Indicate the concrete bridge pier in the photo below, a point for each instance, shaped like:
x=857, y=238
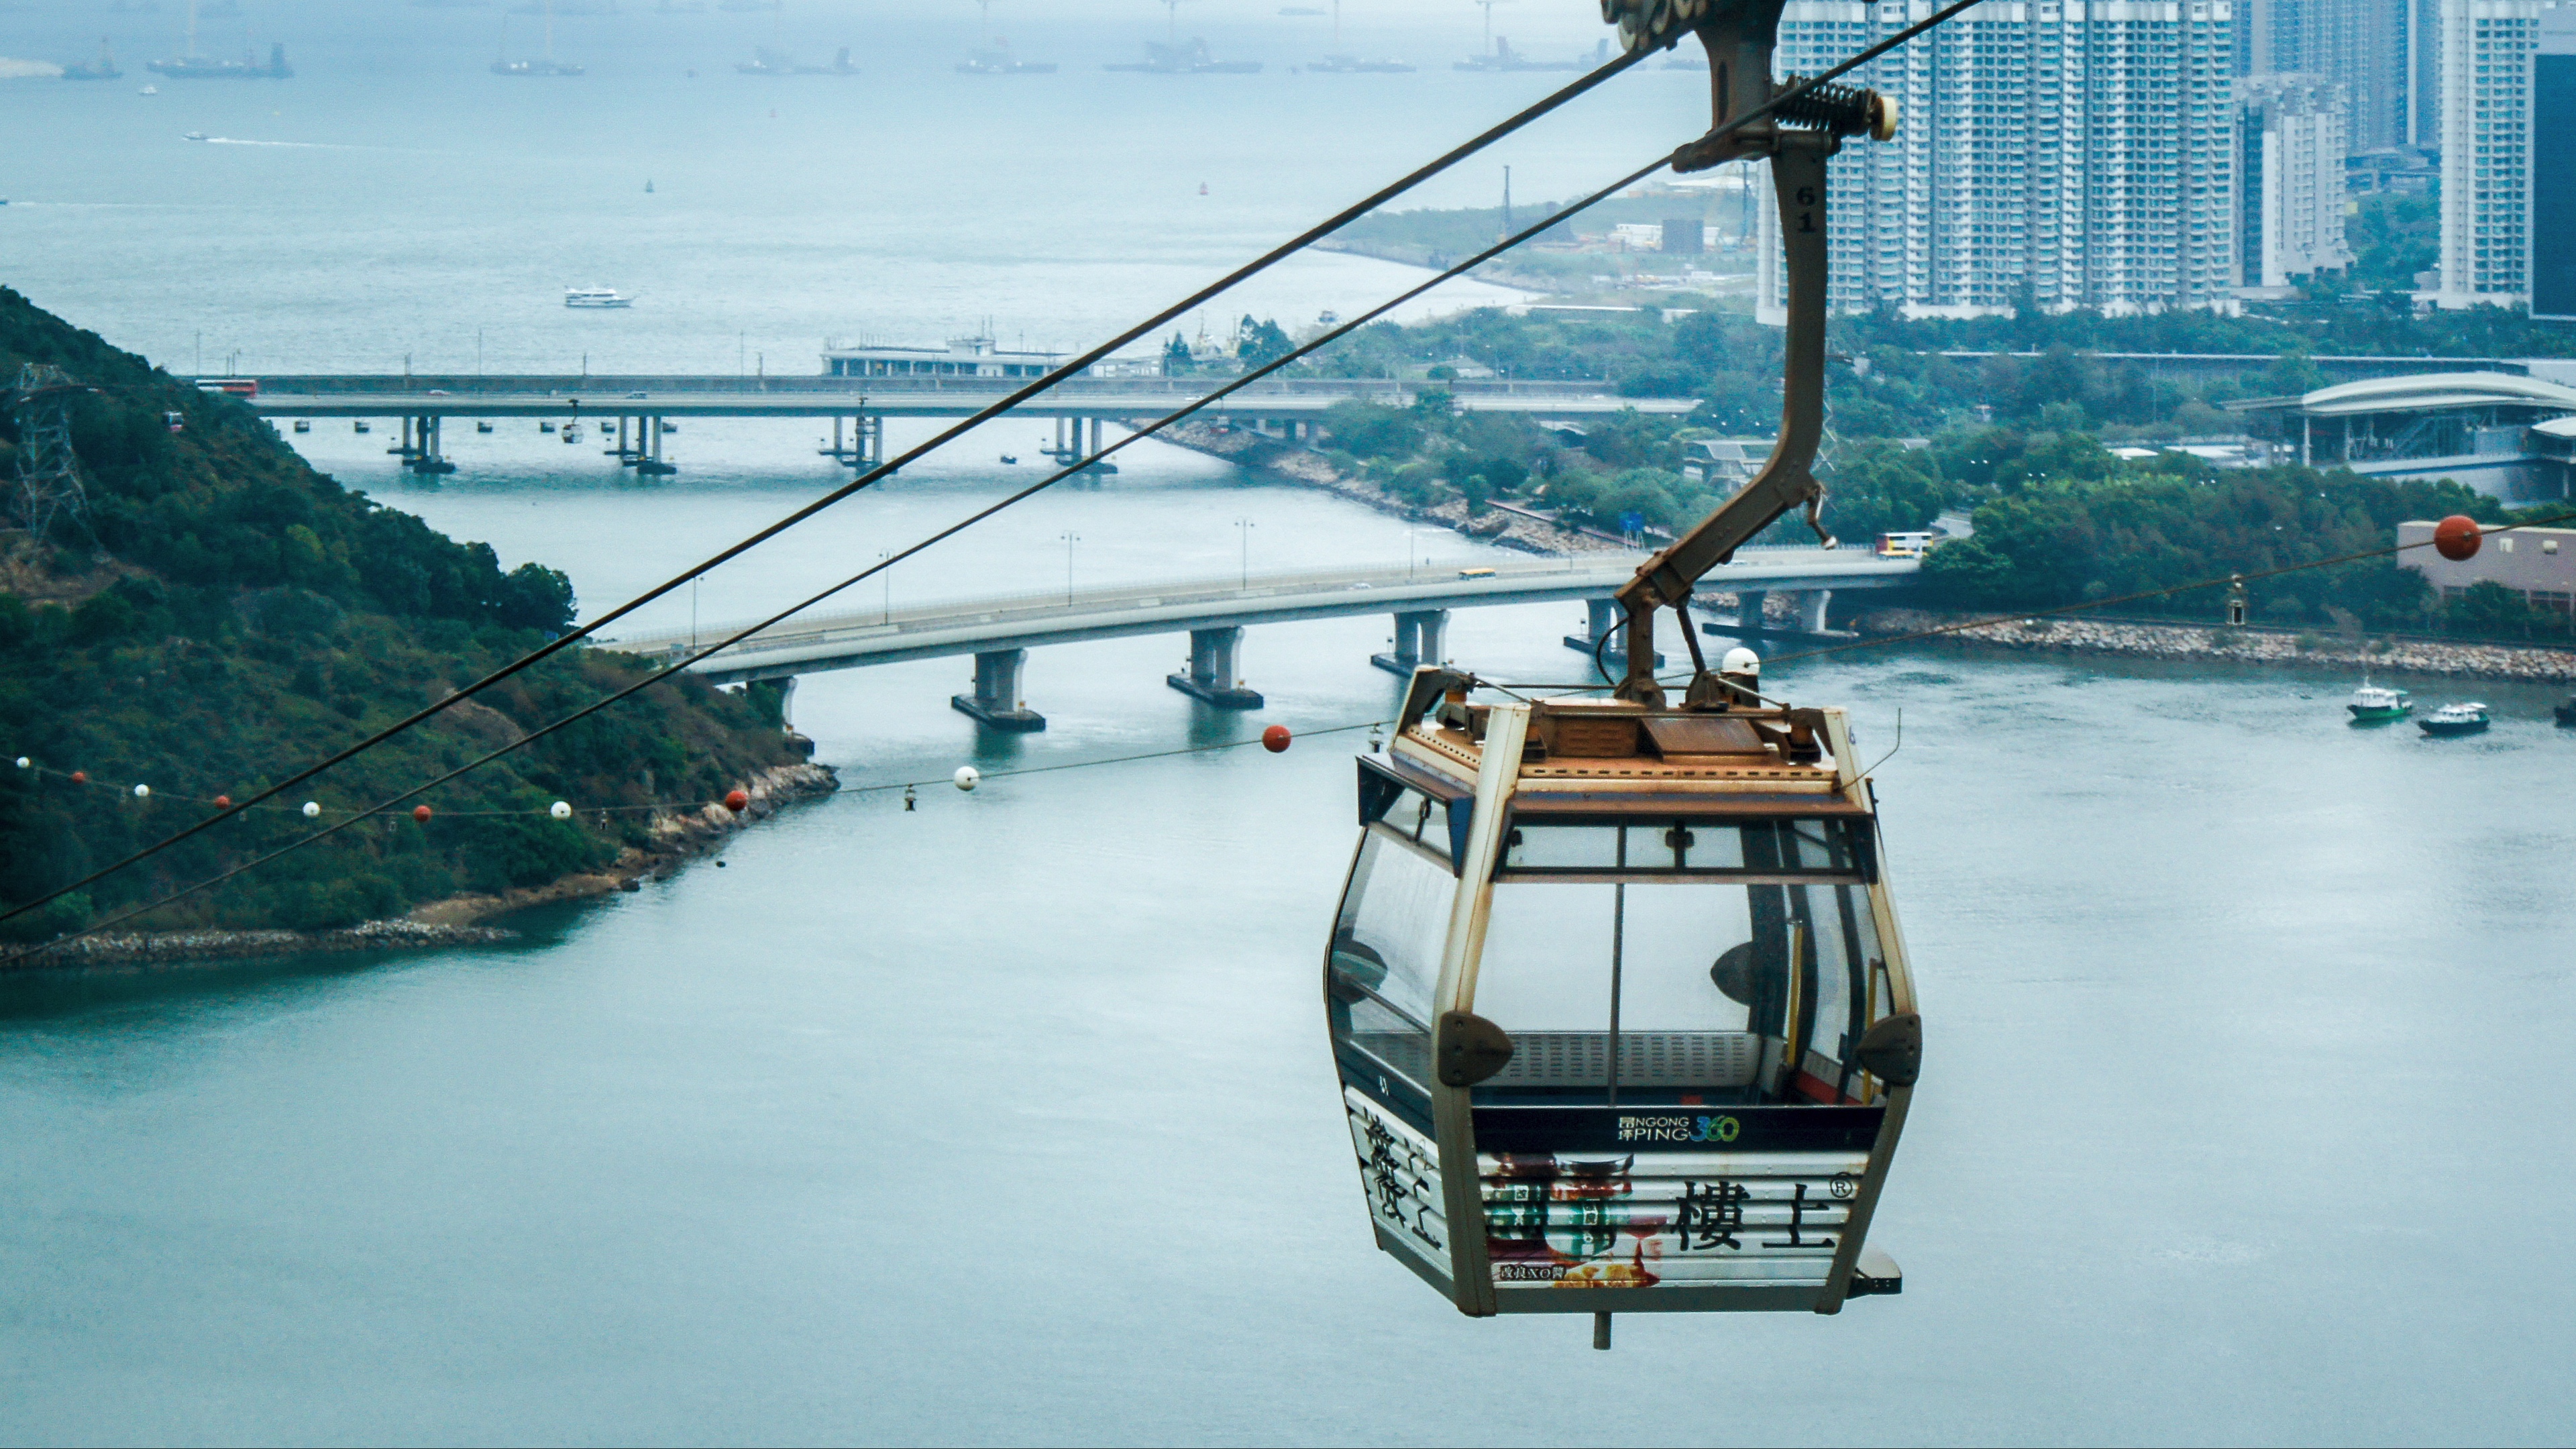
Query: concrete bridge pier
x=421, y=446
x=1810, y=604
x=1212, y=676
x=996, y=702
x=1602, y=619
x=1421, y=638
x=1749, y=604
x=648, y=459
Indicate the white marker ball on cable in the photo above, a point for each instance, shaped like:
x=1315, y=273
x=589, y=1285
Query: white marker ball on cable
x=311, y=810
x=25, y=764
x=968, y=777
x=142, y=792
x=559, y=810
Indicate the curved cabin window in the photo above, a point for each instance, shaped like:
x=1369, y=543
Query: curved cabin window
x=1679, y=963
x=1386, y=960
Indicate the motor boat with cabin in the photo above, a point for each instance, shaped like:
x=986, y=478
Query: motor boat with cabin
x=596, y=297
x=2466, y=718
x=2378, y=704
x=1616, y=993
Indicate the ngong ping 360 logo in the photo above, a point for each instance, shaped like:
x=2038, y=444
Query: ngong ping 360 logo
x=1679, y=1129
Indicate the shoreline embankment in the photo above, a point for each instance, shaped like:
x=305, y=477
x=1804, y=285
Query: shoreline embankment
x=457, y=920
x=2287, y=648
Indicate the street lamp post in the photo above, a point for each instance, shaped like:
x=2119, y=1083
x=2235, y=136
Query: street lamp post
x=1243, y=530
x=1070, y=539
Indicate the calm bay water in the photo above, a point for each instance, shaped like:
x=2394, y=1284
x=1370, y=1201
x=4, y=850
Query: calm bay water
x=1010, y=1119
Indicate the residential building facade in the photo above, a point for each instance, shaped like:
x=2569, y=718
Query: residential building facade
x=2054, y=153
x=2485, y=51
x=2289, y=221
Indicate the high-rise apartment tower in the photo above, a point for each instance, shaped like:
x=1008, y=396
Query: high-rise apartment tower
x=2054, y=153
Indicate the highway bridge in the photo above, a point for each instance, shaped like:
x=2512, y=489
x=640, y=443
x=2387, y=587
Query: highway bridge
x=1000, y=631
x=859, y=407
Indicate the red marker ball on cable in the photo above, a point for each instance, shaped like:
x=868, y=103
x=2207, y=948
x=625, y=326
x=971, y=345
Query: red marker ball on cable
x=420, y=813
x=1275, y=739
x=223, y=802
x=2456, y=538
x=737, y=802
x=80, y=777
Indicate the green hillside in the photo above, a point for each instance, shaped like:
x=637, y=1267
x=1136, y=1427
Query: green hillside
x=223, y=614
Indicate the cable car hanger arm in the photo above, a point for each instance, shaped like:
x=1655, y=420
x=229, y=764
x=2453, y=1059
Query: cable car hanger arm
x=1798, y=137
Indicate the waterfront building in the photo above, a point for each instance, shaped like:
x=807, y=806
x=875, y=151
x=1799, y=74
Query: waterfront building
x=2553, y=168
x=2054, y=153
x=962, y=357
x=2537, y=563
x=2485, y=53
x=2290, y=207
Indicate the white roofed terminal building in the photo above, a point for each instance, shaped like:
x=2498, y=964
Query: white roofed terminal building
x=2508, y=436
x=962, y=357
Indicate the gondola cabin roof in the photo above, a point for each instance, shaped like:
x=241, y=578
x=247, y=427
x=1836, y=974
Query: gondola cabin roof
x=1605, y=756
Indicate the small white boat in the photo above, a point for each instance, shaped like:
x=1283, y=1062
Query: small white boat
x=303, y=425
x=2455, y=719
x=149, y=91
x=193, y=136
x=482, y=426
x=596, y=297
x=571, y=432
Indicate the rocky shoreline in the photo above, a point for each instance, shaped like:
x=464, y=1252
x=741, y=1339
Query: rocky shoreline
x=677, y=836
x=1502, y=526
x=2526, y=664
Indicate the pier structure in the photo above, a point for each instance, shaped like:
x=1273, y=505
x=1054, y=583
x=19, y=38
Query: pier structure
x=999, y=632
x=638, y=408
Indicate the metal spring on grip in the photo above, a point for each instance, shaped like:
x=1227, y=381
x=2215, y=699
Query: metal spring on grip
x=1841, y=108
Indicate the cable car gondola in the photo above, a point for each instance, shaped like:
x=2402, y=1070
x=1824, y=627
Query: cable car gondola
x=1616, y=992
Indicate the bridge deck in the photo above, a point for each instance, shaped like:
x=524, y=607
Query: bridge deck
x=822, y=397
x=858, y=638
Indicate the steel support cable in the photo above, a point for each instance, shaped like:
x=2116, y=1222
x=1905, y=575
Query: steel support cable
x=947, y=435
x=678, y=666
x=1787, y=97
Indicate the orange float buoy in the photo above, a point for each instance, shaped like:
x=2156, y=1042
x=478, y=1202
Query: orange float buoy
x=1275, y=739
x=80, y=777
x=736, y=801
x=420, y=813
x=2456, y=538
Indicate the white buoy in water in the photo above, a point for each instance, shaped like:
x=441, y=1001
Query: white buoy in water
x=968, y=777
x=311, y=810
x=559, y=810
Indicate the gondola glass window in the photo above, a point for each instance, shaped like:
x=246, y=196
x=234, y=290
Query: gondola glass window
x=1727, y=960
x=1386, y=952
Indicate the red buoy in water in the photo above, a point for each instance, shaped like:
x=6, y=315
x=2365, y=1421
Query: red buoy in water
x=420, y=813
x=2456, y=538
x=80, y=777
x=736, y=801
x=1275, y=739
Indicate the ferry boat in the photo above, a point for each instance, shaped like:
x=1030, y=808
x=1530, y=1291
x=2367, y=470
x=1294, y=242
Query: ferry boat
x=2455, y=719
x=2378, y=704
x=1353, y=65
x=596, y=297
x=534, y=67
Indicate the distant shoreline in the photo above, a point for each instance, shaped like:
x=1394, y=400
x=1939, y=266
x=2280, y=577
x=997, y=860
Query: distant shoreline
x=2511, y=663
